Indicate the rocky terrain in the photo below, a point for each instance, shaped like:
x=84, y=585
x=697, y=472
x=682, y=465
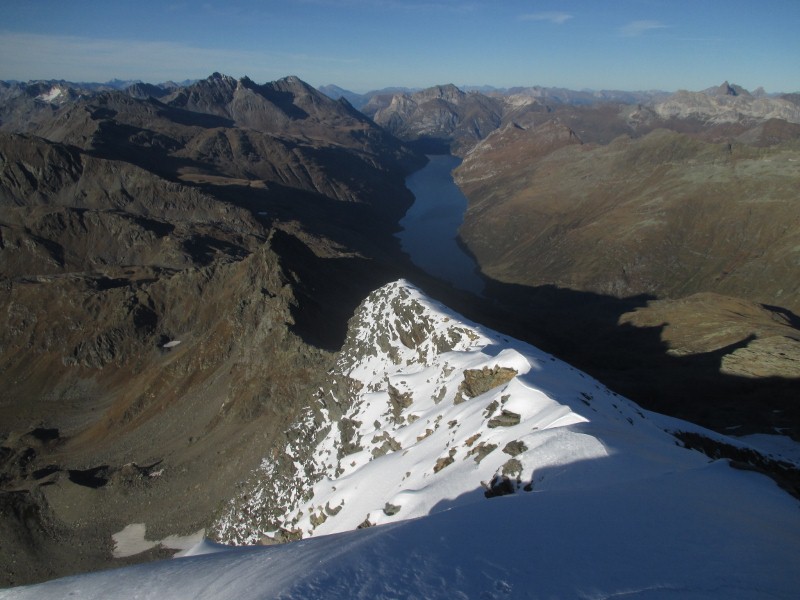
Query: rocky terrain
x=178, y=265
x=596, y=206
x=174, y=276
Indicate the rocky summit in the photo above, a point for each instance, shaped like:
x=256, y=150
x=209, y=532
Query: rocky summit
x=424, y=411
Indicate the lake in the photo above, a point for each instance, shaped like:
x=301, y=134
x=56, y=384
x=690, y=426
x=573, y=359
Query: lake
x=430, y=227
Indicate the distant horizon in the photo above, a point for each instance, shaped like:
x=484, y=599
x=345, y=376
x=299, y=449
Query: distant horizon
x=467, y=86
x=365, y=45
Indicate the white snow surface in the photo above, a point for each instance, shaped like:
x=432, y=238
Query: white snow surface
x=132, y=540
x=616, y=506
x=779, y=447
x=51, y=95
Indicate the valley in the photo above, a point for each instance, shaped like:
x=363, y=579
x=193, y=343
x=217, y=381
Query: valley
x=429, y=233
x=597, y=217
x=211, y=317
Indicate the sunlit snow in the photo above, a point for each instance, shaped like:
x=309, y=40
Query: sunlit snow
x=426, y=411
x=51, y=95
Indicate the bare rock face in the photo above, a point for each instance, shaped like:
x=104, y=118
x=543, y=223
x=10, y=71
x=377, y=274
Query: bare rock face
x=441, y=117
x=170, y=285
x=479, y=381
x=726, y=104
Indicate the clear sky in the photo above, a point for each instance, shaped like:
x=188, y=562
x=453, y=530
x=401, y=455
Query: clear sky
x=369, y=44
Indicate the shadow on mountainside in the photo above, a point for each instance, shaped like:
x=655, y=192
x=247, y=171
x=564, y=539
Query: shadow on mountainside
x=584, y=329
x=333, y=252
x=327, y=290
x=336, y=252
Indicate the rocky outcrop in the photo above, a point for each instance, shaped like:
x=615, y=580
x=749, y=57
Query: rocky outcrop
x=726, y=104
x=439, y=117
x=477, y=382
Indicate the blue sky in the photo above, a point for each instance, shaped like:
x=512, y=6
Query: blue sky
x=370, y=44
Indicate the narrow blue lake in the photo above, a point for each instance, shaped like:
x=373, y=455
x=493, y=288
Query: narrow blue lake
x=430, y=227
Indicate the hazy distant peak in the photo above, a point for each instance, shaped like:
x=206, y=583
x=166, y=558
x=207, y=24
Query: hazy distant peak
x=245, y=81
x=445, y=92
x=216, y=75
x=293, y=84
x=728, y=89
x=727, y=103
x=146, y=90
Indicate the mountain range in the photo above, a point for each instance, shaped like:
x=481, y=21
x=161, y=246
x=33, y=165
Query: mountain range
x=210, y=329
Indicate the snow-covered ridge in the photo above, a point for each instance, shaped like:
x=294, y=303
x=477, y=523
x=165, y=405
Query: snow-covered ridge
x=422, y=407
x=427, y=411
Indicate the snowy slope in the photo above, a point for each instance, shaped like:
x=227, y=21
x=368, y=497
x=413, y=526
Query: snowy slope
x=426, y=412
x=710, y=532
x=425, y=408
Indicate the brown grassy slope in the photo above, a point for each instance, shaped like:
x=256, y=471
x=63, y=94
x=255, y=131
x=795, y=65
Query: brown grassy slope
x=666, y=214
x=667, y=266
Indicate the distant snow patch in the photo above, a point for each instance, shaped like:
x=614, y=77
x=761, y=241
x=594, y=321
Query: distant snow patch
x=131, y=541
x=50, y=96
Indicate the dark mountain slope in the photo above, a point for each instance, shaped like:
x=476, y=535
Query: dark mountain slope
x=171, y=285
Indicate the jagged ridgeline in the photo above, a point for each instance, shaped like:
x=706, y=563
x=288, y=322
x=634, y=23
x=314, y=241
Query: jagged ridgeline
x=175, y=271
x=425, y=411
x=421, y=407
x=179, y=264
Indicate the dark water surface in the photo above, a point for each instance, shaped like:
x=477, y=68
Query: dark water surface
x=430, y=227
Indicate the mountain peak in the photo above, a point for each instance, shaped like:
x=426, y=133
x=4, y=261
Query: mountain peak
x=728, y=89
x=446, y=91
x=293, y=82
x=442, y=407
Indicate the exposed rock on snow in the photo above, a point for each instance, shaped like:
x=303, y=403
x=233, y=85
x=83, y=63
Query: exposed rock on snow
x=617, y=506
x=422, y=407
